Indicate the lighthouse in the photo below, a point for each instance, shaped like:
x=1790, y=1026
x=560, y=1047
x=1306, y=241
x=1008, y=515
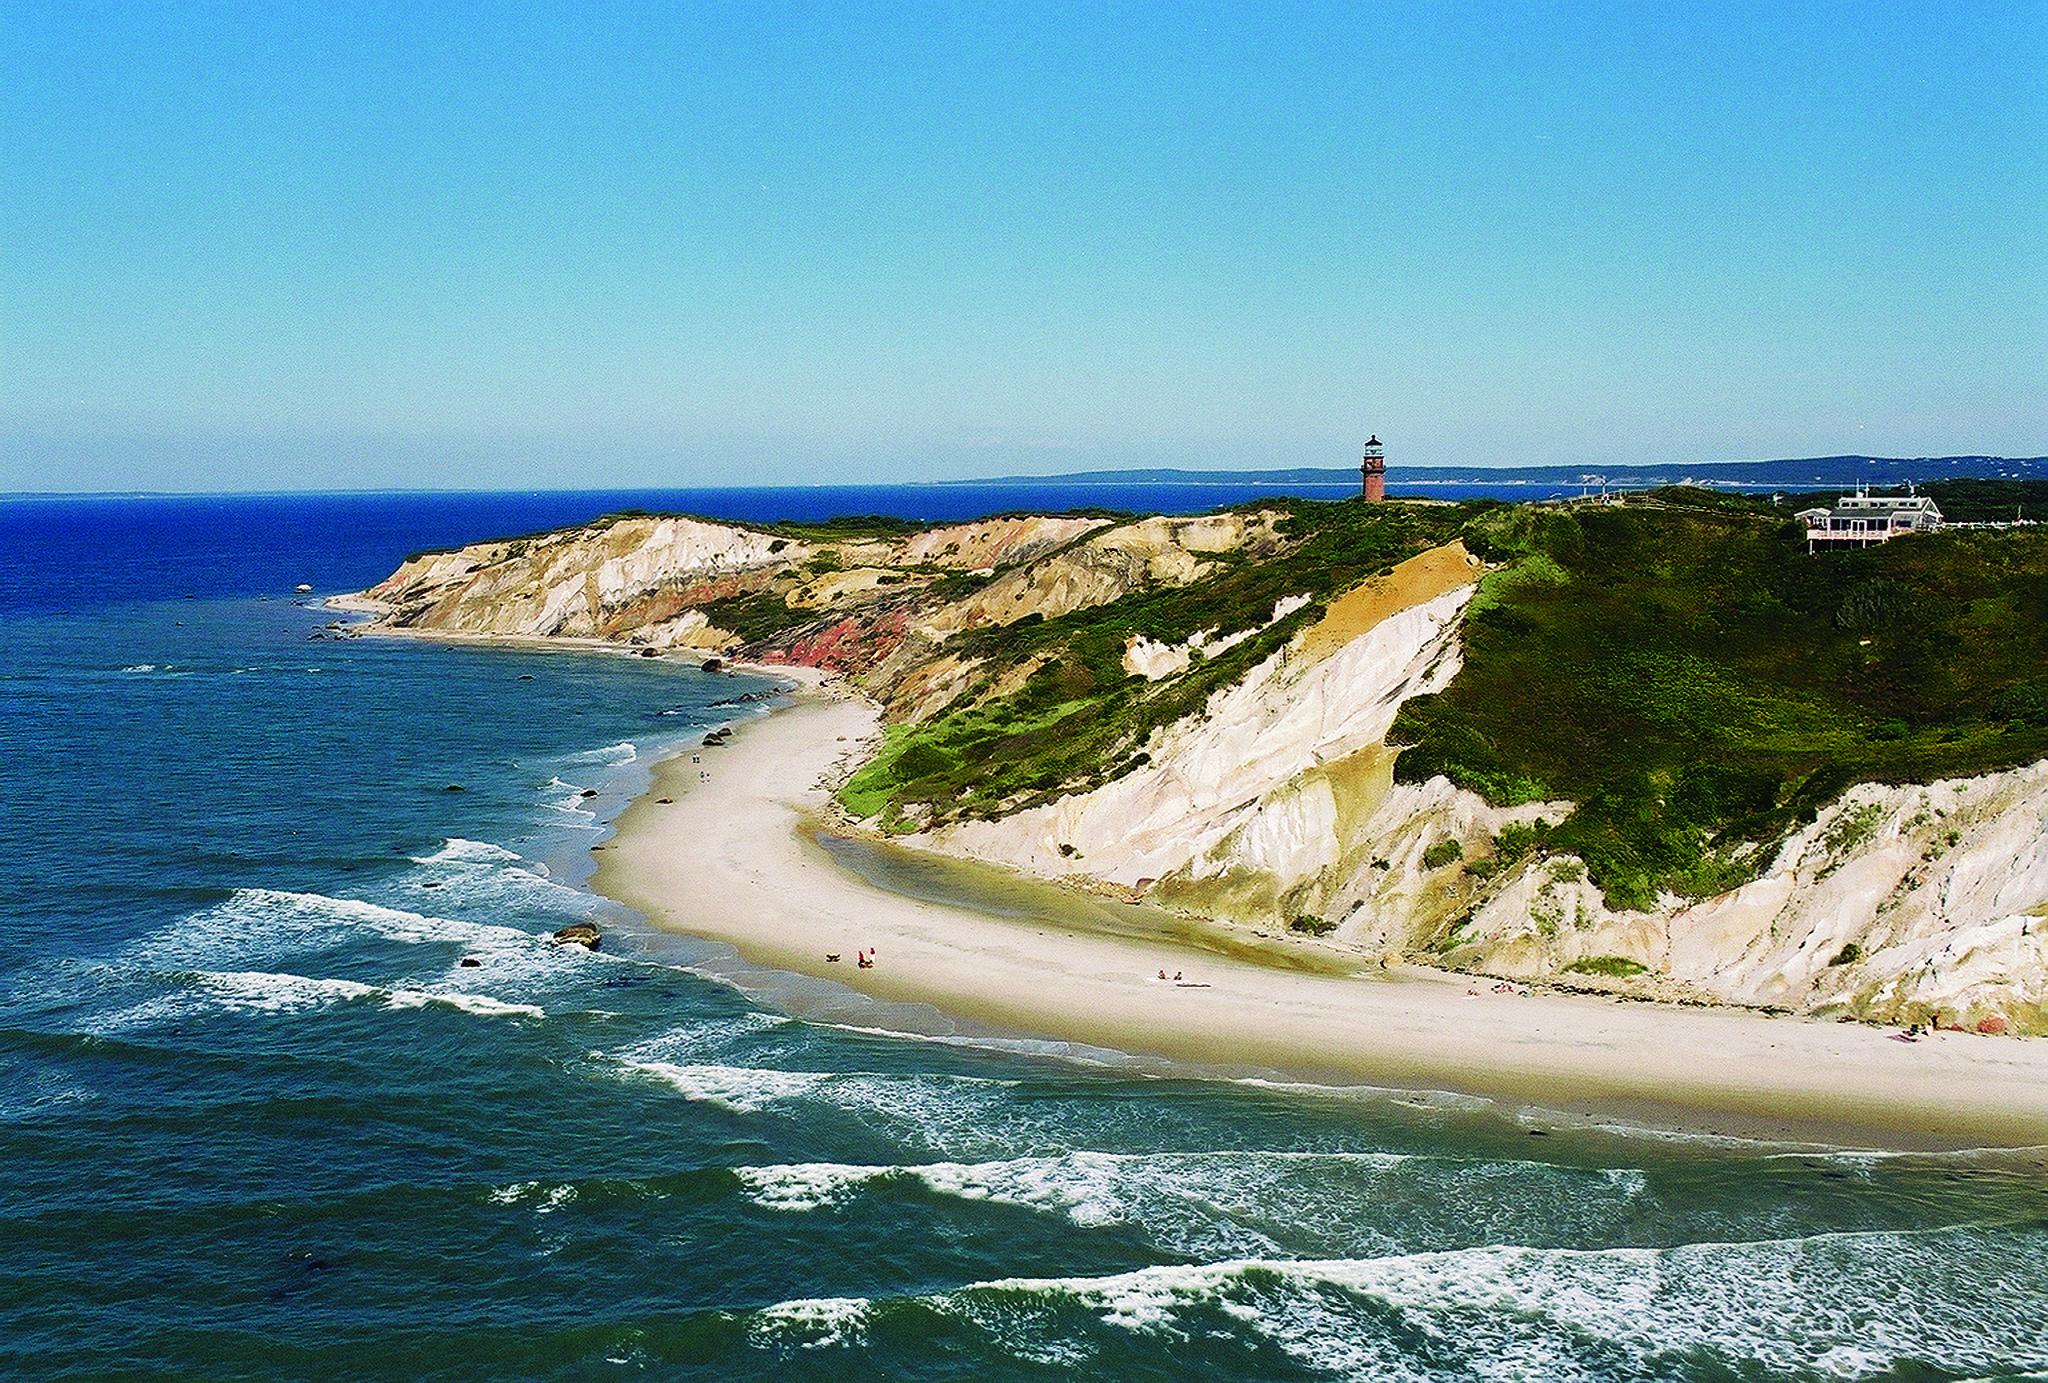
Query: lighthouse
x=1372, y=472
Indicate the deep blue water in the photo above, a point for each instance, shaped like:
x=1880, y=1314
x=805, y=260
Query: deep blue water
x=259, y=1120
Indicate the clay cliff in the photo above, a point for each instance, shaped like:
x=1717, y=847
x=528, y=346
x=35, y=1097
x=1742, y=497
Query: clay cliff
x=1219, y=713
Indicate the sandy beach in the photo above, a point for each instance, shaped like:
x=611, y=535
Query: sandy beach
x=733, y=857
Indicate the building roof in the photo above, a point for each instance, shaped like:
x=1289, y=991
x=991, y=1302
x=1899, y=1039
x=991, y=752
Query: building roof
x=1883, y=507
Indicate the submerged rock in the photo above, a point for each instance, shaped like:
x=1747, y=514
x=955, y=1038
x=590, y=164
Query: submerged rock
x=584, y=934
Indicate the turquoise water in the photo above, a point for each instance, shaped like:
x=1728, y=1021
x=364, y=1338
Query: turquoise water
x=259, y=1120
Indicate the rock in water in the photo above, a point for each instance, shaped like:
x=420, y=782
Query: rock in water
x=583, y=934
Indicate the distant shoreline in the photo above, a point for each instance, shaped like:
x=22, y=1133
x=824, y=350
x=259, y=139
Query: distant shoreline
x=728, y=858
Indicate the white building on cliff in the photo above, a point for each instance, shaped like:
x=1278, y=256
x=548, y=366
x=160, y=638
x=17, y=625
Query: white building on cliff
x=1862, y=519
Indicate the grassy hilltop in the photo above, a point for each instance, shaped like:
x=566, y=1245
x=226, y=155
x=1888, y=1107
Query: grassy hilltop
x=1679, y=667
x=1696, y=682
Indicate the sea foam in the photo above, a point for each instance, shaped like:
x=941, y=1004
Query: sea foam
x=1858, y=1305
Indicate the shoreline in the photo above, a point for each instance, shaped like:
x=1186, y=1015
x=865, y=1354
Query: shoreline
x=733, y=858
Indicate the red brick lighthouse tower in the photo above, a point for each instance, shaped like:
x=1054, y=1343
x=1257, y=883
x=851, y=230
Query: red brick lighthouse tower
x=1373, y=472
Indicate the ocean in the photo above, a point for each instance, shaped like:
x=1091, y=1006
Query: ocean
x=261, y=1116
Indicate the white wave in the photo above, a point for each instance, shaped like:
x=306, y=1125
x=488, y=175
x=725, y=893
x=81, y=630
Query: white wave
x=807, y=1185
x=812, y=1323
x=545, y=1199
x=269, y=992
x=1630, y=1181
x=930, y=1111
x=611, y=755
x=1852, y=1305
x=1093, y=1188
x=741, y=1089
x=706, y=1037
x=457, y=850
x=141, y=667
x=276, y=991
x=478, y=872
x=259, y=920
x=482, y=1004
x=1234, y=1202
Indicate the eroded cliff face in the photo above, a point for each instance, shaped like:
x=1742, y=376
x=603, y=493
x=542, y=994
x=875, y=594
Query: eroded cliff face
x=581, y=583
x=1907, y=903
x=647, y=581
x=1250, y=784
x=1276, y=806
x=1274, y=803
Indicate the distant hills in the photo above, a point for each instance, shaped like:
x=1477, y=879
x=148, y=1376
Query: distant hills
x=1808, y=473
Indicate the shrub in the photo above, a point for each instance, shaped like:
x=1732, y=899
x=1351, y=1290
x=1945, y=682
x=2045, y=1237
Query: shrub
x=1612, y=967
x=1848, y=955
x=1442, y=853
x=1516, y=840
x=1313, y=926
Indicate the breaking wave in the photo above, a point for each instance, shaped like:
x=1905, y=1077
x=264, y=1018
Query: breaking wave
x=1859, y=1305
x=456, y=850
x=271, y=992
x=611, y=755
x=1229, y=1202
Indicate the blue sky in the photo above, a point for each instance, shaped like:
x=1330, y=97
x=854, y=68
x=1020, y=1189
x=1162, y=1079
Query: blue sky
x=348, y=245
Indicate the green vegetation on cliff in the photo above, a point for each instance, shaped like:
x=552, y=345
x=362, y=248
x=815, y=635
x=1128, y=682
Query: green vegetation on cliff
x=1679, y=668
x=1079, y=719
x=1694, y=681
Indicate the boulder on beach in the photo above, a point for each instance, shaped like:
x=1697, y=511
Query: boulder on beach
x=584, y=934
